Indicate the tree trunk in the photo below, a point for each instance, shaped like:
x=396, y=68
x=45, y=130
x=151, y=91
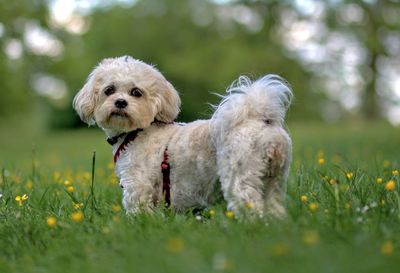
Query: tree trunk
x=370, y=102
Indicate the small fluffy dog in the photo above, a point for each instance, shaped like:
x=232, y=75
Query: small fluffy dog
x=243, y=146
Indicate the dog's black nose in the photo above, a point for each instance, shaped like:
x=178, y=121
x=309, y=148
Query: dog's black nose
x=121, y=103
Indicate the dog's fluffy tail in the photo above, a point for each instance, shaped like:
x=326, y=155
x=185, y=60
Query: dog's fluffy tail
x=266, y=99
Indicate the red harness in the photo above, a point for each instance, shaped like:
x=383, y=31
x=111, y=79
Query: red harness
x=165, y=167
x=131, y=136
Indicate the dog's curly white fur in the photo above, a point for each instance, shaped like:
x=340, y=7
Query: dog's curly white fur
x=244, y=145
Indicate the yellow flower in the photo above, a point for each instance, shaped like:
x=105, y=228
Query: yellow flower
x=395, y=172
x=110, y=165
x=310, y=237
x=304, y=198
x=387, y=248
x=67, y=183
x=249, y=205
x=332, y=182
x=51, y=222
x=21, y=199
x=106, y=230
x=35, y=163
x=221, y=263
x=313, y=206
x=349, y=175
x=68, y=175
x=56, y=176
x=77, y=205
x=379, y=180
x=114, y=180
x=386, y=163
x=211, y=213
x=29, y=185
x=87, y=175
x=116, y=208
x=321, y=161
x=391, y=185
x=347, y=206
x=16, y=178
x=229, y=214
x=77, y=216
x=280, y=249
x=175, y=245
x=70, y=189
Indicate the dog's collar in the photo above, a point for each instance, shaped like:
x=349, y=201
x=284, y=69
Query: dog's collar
x=114, y=139
x=129, y=137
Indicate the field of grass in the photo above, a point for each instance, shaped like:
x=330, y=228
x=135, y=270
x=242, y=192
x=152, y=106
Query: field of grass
x=343, y=203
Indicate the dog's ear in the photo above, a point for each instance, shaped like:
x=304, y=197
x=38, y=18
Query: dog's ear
x=84, y=101
x=169, y=103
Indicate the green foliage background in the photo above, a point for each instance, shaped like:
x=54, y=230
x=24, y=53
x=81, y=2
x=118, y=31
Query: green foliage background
x=199, y=52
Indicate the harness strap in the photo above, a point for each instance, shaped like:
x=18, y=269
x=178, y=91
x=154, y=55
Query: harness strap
x=131, y=136
x=165, y=166
x=165, y=169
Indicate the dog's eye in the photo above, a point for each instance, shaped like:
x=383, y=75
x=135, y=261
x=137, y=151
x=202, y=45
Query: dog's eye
x=136, y=92
x=268, y=121
x=109, y=90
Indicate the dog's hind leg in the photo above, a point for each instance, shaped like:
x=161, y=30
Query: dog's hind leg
x=253, y=164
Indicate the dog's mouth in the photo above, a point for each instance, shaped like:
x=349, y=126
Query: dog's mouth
x=119, y=114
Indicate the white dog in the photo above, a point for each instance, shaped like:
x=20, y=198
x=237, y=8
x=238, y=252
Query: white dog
x=243, y=148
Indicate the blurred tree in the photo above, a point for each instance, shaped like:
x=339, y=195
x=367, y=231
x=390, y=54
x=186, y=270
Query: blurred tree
x=199, y=46
x=376, y=25
x=16, y=62
x=351, y=47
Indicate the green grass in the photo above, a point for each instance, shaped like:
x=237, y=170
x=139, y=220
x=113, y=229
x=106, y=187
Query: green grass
x=355, y=227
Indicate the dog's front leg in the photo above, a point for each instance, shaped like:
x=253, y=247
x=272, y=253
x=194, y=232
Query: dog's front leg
x=138, y=197
x=243, y=198
x=276, y=159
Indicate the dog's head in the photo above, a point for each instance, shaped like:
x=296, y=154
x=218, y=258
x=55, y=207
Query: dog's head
x=123, y=94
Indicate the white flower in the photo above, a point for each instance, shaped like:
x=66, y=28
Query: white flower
x=364, y=209
x=220, y=262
